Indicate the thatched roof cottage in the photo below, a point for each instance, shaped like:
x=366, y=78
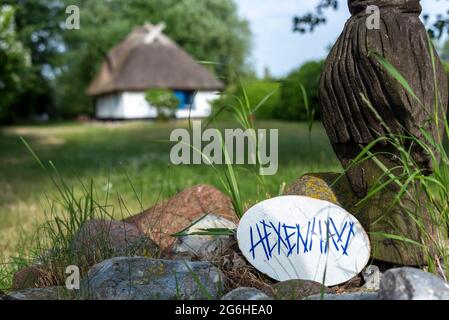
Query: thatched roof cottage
x=147, y=59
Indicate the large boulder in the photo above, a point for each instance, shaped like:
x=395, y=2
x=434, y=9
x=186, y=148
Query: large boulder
x=245, y=293
x=298, y=289
x=139, y=278
x=98, y=239
x=412, y=284
x=164, y=219
x=204, y=247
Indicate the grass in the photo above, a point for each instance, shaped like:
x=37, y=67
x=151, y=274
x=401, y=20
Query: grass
x=126, y=166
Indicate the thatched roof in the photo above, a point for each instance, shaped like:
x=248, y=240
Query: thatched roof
x=148, y=59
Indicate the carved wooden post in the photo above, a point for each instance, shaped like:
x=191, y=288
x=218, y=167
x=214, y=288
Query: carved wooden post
x=352, y=73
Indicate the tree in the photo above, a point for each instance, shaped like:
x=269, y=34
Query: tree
x=292, y=105
x=212, y=31
x=165, y=102
x=38, y=27
x=309, y=21
x=14, y=61
x=257, y=91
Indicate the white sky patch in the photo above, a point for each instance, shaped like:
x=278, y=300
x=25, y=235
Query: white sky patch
x=277, y=47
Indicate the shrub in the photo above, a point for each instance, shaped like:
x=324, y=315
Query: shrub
x=257, y=91
x=165, y=102
x=292, y=105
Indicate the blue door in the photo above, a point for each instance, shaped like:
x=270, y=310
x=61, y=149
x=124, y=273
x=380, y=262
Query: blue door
x=185, y=99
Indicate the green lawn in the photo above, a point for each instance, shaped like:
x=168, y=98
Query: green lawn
x=123, y=156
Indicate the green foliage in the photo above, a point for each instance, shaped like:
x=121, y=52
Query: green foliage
x=256, y=91
x=211, y=31
x=37, y=27
x=13, y=62
x=294, y=98
x=52, y=244
x=292, y=102
x=164, y=101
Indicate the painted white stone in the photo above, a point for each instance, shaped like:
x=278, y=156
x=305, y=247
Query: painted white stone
x=288, y=238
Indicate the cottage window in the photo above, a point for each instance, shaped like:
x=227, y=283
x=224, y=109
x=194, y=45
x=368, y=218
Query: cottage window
x=185, y=99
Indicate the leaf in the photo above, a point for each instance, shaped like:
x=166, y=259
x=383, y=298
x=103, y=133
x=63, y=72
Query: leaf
x=395, y=237
x=197, y=280
x=262, y=102
x=395, y=74
x=183, y=231
x=213, y=232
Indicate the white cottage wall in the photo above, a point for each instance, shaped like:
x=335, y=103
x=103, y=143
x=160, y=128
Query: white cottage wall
x=137, y=107
x=109, y=106
x=132, y=105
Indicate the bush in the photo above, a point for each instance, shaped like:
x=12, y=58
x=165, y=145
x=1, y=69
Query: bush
x=285, y=100
x=256, y=91
x=292, y=106
x=165, y=102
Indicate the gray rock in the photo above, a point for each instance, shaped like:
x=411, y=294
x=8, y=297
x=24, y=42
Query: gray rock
x=139, y=278
x=179, y=256
x=245, y=293
x=204, y=247
x=48, y=293
x=372, y=276
x=346, y=296
x=298, y=289
x=412, y=284
x=4, y=296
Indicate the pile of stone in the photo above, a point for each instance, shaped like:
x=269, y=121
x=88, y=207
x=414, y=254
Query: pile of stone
x=147, y=262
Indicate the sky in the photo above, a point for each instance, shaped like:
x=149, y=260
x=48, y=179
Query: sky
x=275, y=45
